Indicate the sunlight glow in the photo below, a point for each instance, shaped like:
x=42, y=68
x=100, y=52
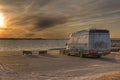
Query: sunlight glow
x=2, y=21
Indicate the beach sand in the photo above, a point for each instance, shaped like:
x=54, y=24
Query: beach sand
x=52, y=66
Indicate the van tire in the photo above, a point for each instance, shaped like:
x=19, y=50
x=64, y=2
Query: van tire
x=68, y=54
x=99, y=56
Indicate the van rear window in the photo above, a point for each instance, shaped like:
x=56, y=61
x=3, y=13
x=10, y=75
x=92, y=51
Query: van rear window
x=99, y=31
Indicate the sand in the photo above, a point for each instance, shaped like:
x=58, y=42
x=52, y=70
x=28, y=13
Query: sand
x=15, y=66
x=107, y=76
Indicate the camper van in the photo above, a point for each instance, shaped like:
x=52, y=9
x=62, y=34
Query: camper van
x=92, y=42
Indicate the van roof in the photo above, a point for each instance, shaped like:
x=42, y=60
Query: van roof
x=99, y=31
x=91, y=31
x=95, y=30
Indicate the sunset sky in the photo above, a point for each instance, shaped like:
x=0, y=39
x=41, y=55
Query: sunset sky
x=57, y=18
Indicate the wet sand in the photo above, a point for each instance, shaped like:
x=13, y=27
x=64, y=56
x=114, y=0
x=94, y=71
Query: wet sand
x=15, y=66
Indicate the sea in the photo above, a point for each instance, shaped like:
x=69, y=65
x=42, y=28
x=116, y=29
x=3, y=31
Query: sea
x=16, y=45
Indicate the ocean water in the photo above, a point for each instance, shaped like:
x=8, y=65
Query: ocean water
x=16, y=45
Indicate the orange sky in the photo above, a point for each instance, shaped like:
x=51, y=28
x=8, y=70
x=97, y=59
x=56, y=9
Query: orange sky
x=58, y=18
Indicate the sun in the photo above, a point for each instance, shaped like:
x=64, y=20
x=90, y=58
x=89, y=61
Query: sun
x=2, y=21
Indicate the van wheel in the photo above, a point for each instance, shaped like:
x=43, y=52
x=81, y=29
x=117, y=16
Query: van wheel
x=68, y=54
x=98, y=56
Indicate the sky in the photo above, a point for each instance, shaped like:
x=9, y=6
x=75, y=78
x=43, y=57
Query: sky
x=57, y=19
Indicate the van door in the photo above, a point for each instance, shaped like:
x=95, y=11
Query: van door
x=101, y=41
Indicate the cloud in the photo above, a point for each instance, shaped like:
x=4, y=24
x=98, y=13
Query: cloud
x=22, y=6
x=47, y=22
x=36, y=16
x=17, y=3
x=29, y=35
x=37, y=21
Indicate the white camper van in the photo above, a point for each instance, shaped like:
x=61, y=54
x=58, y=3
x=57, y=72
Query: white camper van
x=92, y=42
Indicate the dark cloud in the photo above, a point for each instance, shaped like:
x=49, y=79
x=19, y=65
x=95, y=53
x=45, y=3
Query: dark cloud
x=47, y=22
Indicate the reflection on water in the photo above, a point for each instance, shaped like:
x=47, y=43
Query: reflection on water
x=10, y=45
